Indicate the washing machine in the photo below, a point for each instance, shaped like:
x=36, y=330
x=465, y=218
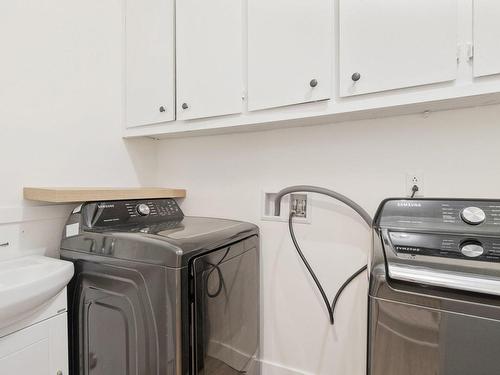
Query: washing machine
x=159, y=293
x=434, y=295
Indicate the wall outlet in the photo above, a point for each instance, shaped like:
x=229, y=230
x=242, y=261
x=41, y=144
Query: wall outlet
x=295, y=201
x=415, y=179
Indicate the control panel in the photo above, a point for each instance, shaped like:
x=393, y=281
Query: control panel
x=482, y=216
x=115, y=213
x=446, y=245
x=462, y=229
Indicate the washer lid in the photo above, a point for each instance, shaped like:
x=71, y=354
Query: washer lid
x=195, y=233
x=169, y=243
x=193, y=227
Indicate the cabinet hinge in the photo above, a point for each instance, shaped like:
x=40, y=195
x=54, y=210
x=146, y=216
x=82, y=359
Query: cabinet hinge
x=470, y=51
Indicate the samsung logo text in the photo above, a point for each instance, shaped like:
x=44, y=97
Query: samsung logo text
x=409, y=204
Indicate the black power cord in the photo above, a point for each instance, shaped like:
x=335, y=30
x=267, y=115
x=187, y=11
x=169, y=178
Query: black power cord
x=215, y=267
x=345, y=284
x=414, y=190
x=330, y=308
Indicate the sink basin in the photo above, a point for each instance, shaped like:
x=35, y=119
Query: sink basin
x=27, y=283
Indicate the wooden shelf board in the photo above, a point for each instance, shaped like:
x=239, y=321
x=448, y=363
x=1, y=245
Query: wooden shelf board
x=83, y=194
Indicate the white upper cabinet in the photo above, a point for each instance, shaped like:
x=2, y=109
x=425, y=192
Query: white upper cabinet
x=269, y=61
x=392, y=44
x=209, y=58
x=290, y=45
x=486, y=37
x=150, y=59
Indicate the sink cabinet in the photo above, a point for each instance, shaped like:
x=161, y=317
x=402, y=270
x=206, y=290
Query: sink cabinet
x=37, y=343
x=39, y=349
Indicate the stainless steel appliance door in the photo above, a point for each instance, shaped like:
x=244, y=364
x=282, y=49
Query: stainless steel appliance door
x=414, y=340
x=226, y=312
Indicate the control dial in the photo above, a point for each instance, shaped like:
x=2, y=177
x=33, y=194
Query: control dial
x=473, y=215
x=472, y=249
x=143, y=209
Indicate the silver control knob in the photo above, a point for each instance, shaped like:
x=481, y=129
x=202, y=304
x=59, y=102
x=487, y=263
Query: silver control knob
x=472, y=250
x=143, y=209
x=473, y=215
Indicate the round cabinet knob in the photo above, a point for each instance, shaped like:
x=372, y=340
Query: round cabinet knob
x=356, y=77
x=472, y=249
x=473, y=215
x=185, y=106
x=143, y=209
x=313, y=83
x=162, y=109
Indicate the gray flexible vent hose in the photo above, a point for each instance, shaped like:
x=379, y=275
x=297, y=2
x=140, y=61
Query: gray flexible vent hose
x=330, y=193
x=315, y=189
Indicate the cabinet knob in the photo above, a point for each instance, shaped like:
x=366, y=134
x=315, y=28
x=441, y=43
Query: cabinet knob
x=162, y=109
x=313, y=83
x=59, y=372
x=185, y=106
x=356, y=77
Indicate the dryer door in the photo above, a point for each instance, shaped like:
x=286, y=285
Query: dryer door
x=226, y=311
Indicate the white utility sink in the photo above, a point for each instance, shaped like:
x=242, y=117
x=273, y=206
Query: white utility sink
x=27, y=283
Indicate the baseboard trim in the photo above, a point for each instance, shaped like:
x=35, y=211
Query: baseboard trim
x=271, y=368
x=234, y=357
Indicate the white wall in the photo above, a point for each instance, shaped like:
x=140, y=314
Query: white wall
x=61, y=111
x=458, y=152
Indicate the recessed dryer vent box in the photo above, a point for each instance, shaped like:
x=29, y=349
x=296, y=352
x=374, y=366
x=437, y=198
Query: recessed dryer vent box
x=267, y=202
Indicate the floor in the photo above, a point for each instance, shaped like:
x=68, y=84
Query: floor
x=216, y=367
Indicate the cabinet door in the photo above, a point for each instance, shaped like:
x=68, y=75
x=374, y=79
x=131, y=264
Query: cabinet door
x=290, y=45
x=391, y=44
x=149, y=34
x=486, y=37
x=40, y=349
x=209, y=58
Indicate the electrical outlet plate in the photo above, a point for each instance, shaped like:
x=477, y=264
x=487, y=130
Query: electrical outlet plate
x=267, y=204
x=415, y=178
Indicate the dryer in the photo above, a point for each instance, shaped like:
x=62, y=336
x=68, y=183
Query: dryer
x=158, y=293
